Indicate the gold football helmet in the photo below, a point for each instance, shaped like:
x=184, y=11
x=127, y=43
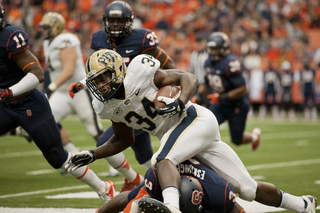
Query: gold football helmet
x=55, y=22
x=102, y=64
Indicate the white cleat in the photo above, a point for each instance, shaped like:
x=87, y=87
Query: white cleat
x=310, y=204
x=256, y=144
x=109, y=192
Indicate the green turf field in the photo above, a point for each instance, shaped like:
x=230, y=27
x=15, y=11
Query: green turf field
x=289, y=157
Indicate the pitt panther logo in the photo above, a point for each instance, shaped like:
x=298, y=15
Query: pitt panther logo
x=107, y=58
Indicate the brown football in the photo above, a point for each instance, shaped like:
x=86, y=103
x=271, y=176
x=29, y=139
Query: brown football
x=170, y=91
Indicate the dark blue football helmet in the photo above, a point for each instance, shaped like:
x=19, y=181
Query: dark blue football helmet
x=191, y=195
x=2, y=17
x=220, y=41
x=118, y=19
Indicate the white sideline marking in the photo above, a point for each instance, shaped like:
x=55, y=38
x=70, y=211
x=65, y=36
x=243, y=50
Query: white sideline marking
x=283, y=164
x=50, y=190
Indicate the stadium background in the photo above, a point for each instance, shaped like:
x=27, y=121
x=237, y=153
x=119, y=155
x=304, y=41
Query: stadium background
x=260, y=30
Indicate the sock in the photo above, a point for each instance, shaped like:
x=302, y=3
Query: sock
x=86, y=175
x=147, y=164
x=120, y=163
x=292, y=202
x=171, y=195
x=70, y=147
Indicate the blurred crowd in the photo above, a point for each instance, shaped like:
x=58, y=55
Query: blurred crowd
x=261, y=31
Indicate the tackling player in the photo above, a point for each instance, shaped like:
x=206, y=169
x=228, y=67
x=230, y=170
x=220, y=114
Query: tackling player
x=21, y=104
x=202, y=190
x=229, y=100
x=126, y=97
x=119, y=36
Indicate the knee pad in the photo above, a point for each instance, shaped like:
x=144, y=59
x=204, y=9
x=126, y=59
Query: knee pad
x=248, y=194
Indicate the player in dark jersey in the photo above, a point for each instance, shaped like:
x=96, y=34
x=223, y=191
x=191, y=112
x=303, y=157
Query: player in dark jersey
x=119, y=36
x=21, y=104
x=308, y=86
x=286, y=82
x=271, y=86
x=229, y=100
x=214, y=194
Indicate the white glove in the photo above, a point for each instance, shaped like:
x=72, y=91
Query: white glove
x=80, y=159
x=173, y=106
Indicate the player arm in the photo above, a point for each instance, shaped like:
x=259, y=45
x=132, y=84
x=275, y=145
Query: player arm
x=30, y=65
x=240, y=91
x=123, y=138
x=68, y=60
x=186, y=80
x=116, y=204
x=165, y=60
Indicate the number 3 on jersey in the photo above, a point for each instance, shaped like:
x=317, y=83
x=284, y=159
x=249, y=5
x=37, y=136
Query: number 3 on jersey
x=18, y=42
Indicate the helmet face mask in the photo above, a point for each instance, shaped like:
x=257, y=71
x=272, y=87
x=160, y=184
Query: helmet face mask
x=118, y=19
x=2, y=17
x=218, y=46
x=52, y=24
x=105, y=74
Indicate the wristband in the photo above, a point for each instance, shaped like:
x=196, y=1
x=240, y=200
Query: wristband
x=181, y=104
x=223, y=97
x=52, y=87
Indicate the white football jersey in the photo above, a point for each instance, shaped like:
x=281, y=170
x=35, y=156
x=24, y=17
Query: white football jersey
x=53, y=60
x=137, y=109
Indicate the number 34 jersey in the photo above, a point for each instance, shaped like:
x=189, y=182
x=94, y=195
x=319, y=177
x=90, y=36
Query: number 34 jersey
x=137, y=110
x=13, y=39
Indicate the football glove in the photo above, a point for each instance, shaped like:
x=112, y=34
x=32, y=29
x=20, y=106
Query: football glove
x=74, y=88
x=214, y=98
x=173, y=106
x=80, y=159
x=5, y=94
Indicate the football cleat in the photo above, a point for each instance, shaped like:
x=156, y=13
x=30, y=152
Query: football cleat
x=147, y=205
x=109, y=192
x=129, y=185
x=310, y=204
x=256, y=144
x=19, y=131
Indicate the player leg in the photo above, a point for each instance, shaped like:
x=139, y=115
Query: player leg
x=46, y=136
x=60, y=107
x=120, y=163
x=142, y=148
x=193, y=134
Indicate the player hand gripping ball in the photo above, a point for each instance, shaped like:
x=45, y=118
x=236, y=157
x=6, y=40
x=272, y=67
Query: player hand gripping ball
x=5, y=94
x=74, y=88
x=173, y=106
x=80, y=159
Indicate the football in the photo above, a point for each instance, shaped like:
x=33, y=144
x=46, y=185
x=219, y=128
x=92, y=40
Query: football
x=170, y=91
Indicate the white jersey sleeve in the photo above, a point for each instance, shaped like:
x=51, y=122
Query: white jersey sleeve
x=53, y=60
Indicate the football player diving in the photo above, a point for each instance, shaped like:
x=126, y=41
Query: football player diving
x=126, y=97
x=117, y=34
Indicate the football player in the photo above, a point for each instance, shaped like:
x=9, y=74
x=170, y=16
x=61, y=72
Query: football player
x=202, y=190
x=21, y=104
x=117, y=34
x=64, y=62
x=271, y=85
x=286, y=82
x=126, y=97
x=229, y=100
x=308, y=87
